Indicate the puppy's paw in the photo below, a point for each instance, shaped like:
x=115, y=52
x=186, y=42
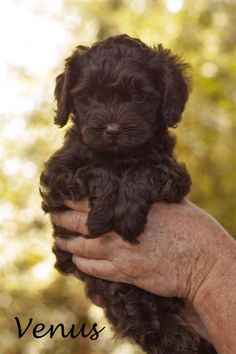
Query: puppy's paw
x=126, y=231
x=100, y=218
x=71, y=186
x=64, y=262
x=98, y=228
x=129, y=221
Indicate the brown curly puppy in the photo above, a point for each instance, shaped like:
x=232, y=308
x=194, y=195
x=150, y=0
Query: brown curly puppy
x=122, y=97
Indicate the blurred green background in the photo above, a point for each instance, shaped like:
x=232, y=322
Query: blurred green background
x=35, y=37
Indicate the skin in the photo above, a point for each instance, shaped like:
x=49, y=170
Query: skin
x=182, y=252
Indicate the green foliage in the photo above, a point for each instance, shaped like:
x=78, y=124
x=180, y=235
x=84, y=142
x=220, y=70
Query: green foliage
x=204, y=33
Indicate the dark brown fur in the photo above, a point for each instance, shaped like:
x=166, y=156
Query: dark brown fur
x=122, y=97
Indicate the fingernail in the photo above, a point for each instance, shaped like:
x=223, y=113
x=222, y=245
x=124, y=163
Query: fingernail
x=74, y=259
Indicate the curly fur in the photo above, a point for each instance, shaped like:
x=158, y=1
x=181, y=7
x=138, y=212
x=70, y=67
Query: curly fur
x=122, y=96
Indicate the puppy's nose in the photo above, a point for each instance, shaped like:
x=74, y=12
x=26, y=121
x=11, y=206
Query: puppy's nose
x=113, y=129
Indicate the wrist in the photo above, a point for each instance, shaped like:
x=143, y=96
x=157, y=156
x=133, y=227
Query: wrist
x=214, y=253
x=215, y=300
x=217, y=268
x=219, y=278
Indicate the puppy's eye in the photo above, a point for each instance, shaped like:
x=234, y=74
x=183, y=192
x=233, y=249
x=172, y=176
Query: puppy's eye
x=138, y=98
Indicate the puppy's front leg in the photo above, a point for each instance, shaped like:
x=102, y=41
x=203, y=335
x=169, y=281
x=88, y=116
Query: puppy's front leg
x=57, y=184
x=141, y=187
x=102, y=188
x=169, y=183
x=133, y=204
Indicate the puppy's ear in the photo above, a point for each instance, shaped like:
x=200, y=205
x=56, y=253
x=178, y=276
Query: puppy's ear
x=62, y=97
x=64, y=84
x=173, y=82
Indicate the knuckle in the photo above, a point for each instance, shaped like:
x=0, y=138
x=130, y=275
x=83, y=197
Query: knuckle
x=79, y=222
x=76, y=222
x=82, y=247
x=86, y=249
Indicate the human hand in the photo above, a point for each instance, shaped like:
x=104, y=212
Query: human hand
x=171, y=259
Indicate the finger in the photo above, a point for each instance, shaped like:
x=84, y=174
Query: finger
x=99, y=248
x=81, y=205
x=72, y=220
x=103, y=269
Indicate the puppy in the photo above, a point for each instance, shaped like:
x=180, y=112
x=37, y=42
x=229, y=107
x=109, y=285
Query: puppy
x=122, y=96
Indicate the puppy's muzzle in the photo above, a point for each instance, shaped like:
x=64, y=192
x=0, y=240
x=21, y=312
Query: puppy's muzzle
x=113, y=130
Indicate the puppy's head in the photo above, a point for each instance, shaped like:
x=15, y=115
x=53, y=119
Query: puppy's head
x=120, y=93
